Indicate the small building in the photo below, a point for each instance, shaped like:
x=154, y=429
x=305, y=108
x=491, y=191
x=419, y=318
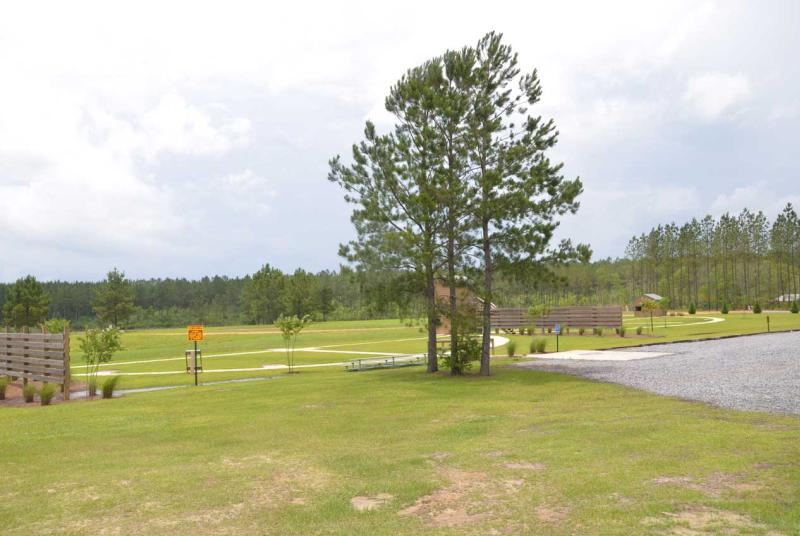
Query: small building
x=787, y=298
x=638, y=310
x=469, y=305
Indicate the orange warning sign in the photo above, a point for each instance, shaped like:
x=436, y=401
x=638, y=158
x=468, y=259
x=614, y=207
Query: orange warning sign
x=195, y=333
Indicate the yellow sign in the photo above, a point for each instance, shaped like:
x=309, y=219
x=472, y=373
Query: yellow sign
x=195, y=333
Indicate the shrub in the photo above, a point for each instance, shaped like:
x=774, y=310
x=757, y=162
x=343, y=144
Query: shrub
x=795, y=308
x=692, y=308
x=621, y=331
x=109, y=385
x=46, y=394
x=56, y=325
x=724, y=309
x=469, y=350
x=639, y=330
x=599, y=332
x=581, y=331
x=28, y=392
x=549, y=330
x=616, y=330
x=3, y=386
x=566, y=330
x=757, y=309
x=511, y=348
x=540, y=345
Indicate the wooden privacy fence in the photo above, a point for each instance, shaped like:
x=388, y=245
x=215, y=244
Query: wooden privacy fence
x=583, y=317
x=36, y=356
x=579, y=317
x=512, y=318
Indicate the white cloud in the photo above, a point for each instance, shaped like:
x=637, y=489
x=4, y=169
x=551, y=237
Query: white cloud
x=712, y=95
x=125, y=127
x=757, y=196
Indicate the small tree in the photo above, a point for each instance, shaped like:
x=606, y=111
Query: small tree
x=663, y=304
x=98, y=346
x=290, y=327
x=56, y=325
x=535, y=312
x=650, y=306
x=692, y=308
x=113, y=302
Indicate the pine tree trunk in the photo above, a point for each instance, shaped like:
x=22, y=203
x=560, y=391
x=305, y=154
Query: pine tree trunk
x=454, y=318
x=430, y=298
x=487, y=300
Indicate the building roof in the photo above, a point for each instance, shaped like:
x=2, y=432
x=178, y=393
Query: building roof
x=654, y=297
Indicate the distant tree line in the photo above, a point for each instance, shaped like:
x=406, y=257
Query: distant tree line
x=737, y=260
x=258, y=298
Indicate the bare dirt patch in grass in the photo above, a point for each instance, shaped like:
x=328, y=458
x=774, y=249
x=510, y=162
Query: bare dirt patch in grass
x=370, y=502
x=551, y=515
x=526, y=466
x=453, y=505
x=701, y=520
x=714, y=485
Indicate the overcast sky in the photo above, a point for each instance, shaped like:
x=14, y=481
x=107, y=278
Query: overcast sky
x=192, y=139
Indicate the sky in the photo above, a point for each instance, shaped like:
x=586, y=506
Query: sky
x=176, y=139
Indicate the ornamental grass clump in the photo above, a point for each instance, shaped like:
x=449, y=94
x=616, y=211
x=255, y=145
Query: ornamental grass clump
x=795, y=308
x=28, y=392
x=3, y=387
x=538, y=346
x=621, y=331
x=46, y=394
x=639, y=330
x=511, y=348
x=109, y=385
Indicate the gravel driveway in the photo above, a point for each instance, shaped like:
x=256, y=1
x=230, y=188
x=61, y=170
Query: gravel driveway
x=753, y=373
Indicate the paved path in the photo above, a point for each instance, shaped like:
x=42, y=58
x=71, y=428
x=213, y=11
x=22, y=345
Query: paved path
x=753, y=373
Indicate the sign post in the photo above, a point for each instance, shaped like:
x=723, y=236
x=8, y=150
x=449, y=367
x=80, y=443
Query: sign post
x=195, y=334
x=558, y=332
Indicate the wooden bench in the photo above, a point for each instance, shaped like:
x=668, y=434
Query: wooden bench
x=357, y=365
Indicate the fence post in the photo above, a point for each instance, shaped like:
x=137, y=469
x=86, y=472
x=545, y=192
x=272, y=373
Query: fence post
x=67, y=371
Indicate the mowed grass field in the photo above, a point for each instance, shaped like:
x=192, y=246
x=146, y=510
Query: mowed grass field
x=521, y=452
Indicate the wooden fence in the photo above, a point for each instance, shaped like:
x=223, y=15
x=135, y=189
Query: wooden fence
x=583, y=317
x=578, y=317
x=510, y=319
x=36, y=356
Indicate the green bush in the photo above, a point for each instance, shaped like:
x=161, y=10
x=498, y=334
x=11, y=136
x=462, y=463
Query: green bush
x=795, y=308
x=28, y=392
x=46, y=394
x=692, y=309
x=639, y=330
x=598, y=332
x=724, y=309
x=56, y=325
x=511, y=347
x=621, y=331
x=469, y=350
x=109, y=385
x=581, y=331
x=540, y=345
x=3, y=387
x=757, y=309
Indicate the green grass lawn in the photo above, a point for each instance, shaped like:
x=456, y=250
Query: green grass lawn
x=521, y=452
